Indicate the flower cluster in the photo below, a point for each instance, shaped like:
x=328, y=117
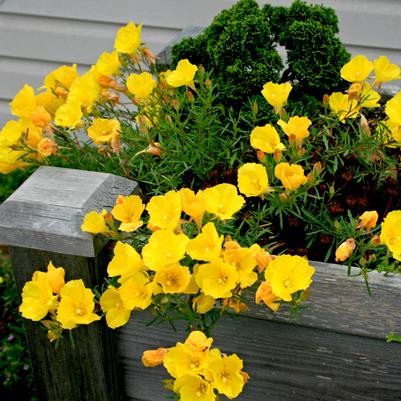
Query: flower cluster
x=199, y=370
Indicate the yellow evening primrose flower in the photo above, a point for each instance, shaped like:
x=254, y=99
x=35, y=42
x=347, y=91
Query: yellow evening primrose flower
x=292, y=176
x=11, y=133
x=108, y=63
x=141, y=85
x=95, y=223
x=76, y=305
x=194, y=388
x=183, y=74
x=244, y=260
x=393, y=109
x=217, y=278
x=10, y=160
x=368, y=219
x=68, y=115
x=223, y=201
x=165, y=211
x=198, y=342
x=104, y=130
x=183, y=359
x=37, y=299
x=126, y=261
x=265, y=294
x=266, y=139
x=85, y=89
x=164, y=248
x=276, y=94
x=54, y=275
x=391, y=233
x=194, y=205
x=173, y=278
x=356, y=70
x=40, y=117
x=24, y=102
x=154, y=357
x=343, y=106
x=385, y=71
x=297, y=128
x=49, y=101
x=206, y=245
x=389, y=129
x=111, y=303
x=203, y=303
x=369, y=97
x=226, y=373
x=136, y=292
x=288, y=274
x=128, y=210
x=62, y=76
x=128, y=38
x=252, y=179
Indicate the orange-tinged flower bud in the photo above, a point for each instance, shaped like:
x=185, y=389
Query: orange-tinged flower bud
x=153, y=358
x=208, y=83
x=375, y=241
x=344, y=251
x=263, y=258
x=149, y=55
x=47, y=147
x=261, y=156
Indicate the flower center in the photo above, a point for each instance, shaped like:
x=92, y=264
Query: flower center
x=80, y=311
x=287, y=283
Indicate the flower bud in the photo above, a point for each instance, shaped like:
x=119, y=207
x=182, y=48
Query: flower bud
x=153, y=358
x=344, y=251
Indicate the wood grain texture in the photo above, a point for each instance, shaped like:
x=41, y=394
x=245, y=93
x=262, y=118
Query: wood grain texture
x=87, y=371
x=342, y=304
x=47, y=211
x=285, y=362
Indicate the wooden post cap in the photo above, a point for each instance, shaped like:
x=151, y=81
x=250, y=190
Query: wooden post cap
x=46, y=212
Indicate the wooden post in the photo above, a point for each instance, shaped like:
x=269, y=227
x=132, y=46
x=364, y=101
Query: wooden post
x=41, y=223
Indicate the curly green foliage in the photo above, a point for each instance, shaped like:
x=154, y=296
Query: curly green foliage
x=241, y=53
x=194, y=49
x=315, y=55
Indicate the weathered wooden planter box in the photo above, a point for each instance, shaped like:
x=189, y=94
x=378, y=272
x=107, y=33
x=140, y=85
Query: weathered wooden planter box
x=334, y=350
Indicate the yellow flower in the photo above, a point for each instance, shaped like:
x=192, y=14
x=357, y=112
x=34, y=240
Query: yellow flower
x=194, y=388
x=389, y=127
x=393, y=109
x=266, y=139
x=111, y=303
x=385, y=71
x=164, y=248
x=49, y=101
x=136, y=292
x=368, y=220
x=297, y=128
x=47, y=147
x=76, y=305
x=198, y=342
x=203, y=303
x=244, y=260
x=217, y=278
x=141, y=85
x=369, y=97
x=223, y=201
x=264, y=293
x=391, y=233
x=37, y=299
x=184, y=74
x=108, y=63
x=85, y=89
x=128, y=210
x=276, y=94
x=24, y=102
x=356, y=70
x=95, y=223
x=193, y=205
x=62, y=76
x=10, y=160
x=343, y=106
x=154, y=357
x=126, y=261
x=288, y=274
x=183, y=359
x=68, y=115
x=165, y=211
x=54, y=275
x=128, y=38
x=226, y=373
x=291, y=175
x=207, y=245
x=252, y=179
x=345, y=249
x=11, y=133
x=104, y=130
x=173, y=278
